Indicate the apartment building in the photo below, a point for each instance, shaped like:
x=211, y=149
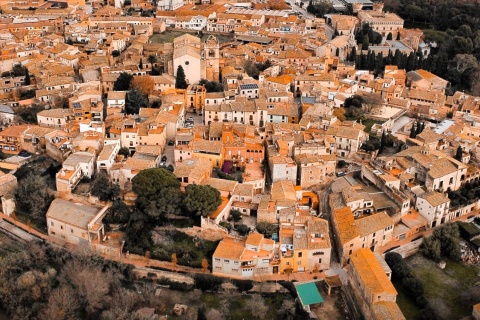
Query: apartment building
x=304, y=245
x=245, y=258
x=369, y=277
x=348, y=139
x=76, y=223
x=315, y=169
x=372, y=231
x=433, y=206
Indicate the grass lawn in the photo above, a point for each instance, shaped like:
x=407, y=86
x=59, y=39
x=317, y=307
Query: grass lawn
x=406, y=302
x=189, y=251
x=444, y=288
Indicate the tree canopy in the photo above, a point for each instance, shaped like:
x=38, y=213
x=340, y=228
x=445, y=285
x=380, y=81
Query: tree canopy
x=201, y=200
x=211, y=86
x=181, y=81
x=135, y=101
x=102, y=189
x=32, y=196
x=158, y=192
x=123, y=82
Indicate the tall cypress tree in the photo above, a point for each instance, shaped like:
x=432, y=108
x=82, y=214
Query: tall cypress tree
x=365, y=42
x=371, y=60
x=27, y=77
x=140, y=64
x=419, y=128
x=459, y=154
x=353, y=54
x=383, y=142
x=180, y=81
x=413, y=131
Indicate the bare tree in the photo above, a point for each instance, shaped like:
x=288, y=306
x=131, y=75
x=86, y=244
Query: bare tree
x=257, y=305
x=91, y=283
x=63, y=303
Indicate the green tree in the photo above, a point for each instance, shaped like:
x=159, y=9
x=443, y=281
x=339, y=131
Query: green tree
x=115, y=53
x=236, y=215
x=354, y=101
x=124, y=151
x=413, y=131
x=202, y=313
x=242, y=229
x=32, y=196
x=123, y=82
x=365, y=42
x=118, y=213
x=18, y=70
x=353, y=54
x=27, y=77
x=135, y=101
x=459, y=154
x=152, y=59
x=411, y=62
x=267, y=229
x=389, y=36
x=201, y=200
x=101, y=187
x=180, y=81
x=158, y=193
x=431, y=248
x=383, y=142
x=251, y=69
x=211, y=86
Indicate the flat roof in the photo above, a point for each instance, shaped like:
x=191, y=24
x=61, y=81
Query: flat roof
x=308, y=293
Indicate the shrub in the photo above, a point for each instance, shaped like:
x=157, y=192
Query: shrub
x=226, y=225
x=243, y=285
x=267, y=229
x=236, y=215
x=207, y=282
x=181, y=286
x=341, y=164
x=430, y=247
x=242, y=229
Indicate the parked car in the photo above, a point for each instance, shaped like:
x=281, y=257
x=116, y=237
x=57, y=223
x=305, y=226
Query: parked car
x=171, y=143
x=341, y=174
x=190, y=119
x=164, y=158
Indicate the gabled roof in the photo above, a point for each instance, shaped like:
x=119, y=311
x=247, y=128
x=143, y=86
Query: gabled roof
x=371, y=273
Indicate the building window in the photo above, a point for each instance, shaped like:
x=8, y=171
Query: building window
x=217, y=260
x=299, y=262
x=300, y=254
x=51, y=223
x=61, y=227
x=187, y=63
x=226, y=261
x=71, y=230
x=287, y=263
